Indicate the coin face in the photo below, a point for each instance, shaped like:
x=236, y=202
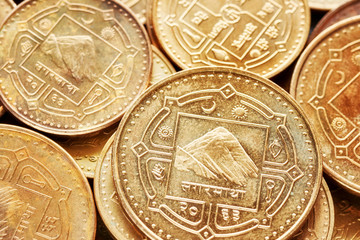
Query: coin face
x=107, y=200
x=346, y=10
x=74, y=67
x=320, y=222
x=216, y=153
x=260, y=36
x=347, y=215
x=162, y=67
x=326, y=84
x=325, y=4
x=43, y=194
x=6, y=7
x=138, y=7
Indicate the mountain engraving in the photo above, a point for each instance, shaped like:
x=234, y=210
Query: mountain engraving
x=74, y=54
x=217, y=155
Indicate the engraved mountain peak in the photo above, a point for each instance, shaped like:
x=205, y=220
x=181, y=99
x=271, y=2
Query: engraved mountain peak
x=217, y=155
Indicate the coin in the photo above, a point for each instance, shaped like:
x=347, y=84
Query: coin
x=86, y=150
x=320, y=222
x=162, y=67
x=260, y=36
x=325, y=83
x=347, y=215
x=43, y=194
x=138, y=7
x=346, y=10
x=325, y=5
x=73, y=68
x=2, y=109
x=5, y=8
x=107, y=200
x=216, y=153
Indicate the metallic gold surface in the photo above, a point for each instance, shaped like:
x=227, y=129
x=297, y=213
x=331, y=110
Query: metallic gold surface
x=43, y=194
x=6, y=6
x=325, y=5
x=138, y=7
x=326, y=84
x=162, y=67
x=320, y=222
x=347, y=215
x=260, y=36
x=346, y=10
x=72, y=67
x=2, y=109
x=107, y=199
x=216, y=152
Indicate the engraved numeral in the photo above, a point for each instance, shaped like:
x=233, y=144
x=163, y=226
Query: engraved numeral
x=57, y=100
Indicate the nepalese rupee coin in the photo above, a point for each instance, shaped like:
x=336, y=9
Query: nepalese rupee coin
x=320, y=222
x=107, y=200
x=72, y=67
x=6, y=6
x=138, y=7
x=162, y=67
x=262, y=36
x=347, y=215
x=43, y=194
x=326, y=83
x=346, y=10
x=325, y=5
x=216, y=153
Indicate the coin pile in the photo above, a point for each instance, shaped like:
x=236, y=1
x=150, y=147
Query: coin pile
x=165, y=119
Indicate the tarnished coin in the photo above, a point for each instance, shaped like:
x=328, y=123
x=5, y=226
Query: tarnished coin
x=86, y=150
x=72, y=67
x=107, y=200
x=43, y=194
x=162, y=67
x=138, y=7
x=347, y=215
x=326, y=83
x=5, y=8
x=325, y=5
x=216, y=153
x=320, y=222
x=260, y=36
x=347, y=10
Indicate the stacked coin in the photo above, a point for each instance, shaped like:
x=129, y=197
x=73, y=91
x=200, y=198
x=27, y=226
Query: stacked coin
x=215, y=151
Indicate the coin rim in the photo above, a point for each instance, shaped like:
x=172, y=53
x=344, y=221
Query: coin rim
x=129, y=210
x=78, y=132
x=354, y=188
x=316, y=6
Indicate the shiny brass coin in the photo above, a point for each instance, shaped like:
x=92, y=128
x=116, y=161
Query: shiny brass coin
x=260, y=36
x=346, y=10
x=216, y=153
x=162, y=67
x=71, y=68
x=320, y=222
x=138, y=7
x=6, y=7
x=43, y=194
x=107, y=200
x=325, y=5
x=326, y=84
x=347, y=215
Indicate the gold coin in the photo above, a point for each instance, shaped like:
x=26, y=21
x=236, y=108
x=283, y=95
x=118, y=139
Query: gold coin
x=325, y=5
x=43, y=194
x=326, y=84
x=260, y=36
x=72, y=68
x=347, y=215
x=216, y=153
x=86, y=150
x=6, y=6
x=162, y=67
x=138, y=7
x=320, y=222
x=107, y=200
x=2, y=109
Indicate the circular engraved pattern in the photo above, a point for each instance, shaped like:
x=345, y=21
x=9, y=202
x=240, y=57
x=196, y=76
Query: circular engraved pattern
x=239, y=112
x=326, y=4
x=6, y=6
x=260, y=36
x=320, y=222
x=43, y=193
x=216, y=177
x=162, y=67
x=138, y=7
x=107, y=200
x=74, y=77
x=326, y=83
